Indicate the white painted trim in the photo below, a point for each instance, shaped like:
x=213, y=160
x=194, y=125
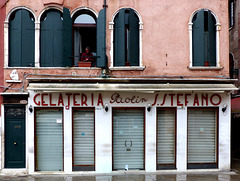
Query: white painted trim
x=17, y=8
x=2, y=145
x=37, y=44
x=218, y=29
x=128, y=68
x=48, y=8
x=84, y=8
x=6, y=39
x=111, y=28
x=65, y=68
x=205, y=68
x=2, y=136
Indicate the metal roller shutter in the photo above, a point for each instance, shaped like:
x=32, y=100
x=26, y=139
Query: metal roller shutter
x=166, y=139
x=83, y=139
x=128, y=139
x=202, y=136
x=49, y=140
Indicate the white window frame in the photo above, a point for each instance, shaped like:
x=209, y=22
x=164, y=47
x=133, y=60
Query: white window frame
x=218, y=29
x=111, y=28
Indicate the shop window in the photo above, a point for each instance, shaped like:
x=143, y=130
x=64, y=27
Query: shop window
x=21, y=39
x=166, y=158
x=126, y=38
x=231, y=13
x=56, y=39
x=49, y=140
x=84, y=27
x=83, y=140
x=202, y=138
x=204, y=39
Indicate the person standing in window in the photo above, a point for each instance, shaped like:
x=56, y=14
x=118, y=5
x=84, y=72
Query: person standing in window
x=87, y=56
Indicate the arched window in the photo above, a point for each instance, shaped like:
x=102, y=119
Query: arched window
x=84, y=27
x=51, y=41
x=126, y=38
x=21, y=39
x=204, y=39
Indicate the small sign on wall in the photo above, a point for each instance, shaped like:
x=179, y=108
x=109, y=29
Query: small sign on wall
x=59, y=121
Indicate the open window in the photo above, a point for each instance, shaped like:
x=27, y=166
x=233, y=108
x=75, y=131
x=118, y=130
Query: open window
x=21, y=39
x=56, y=39
x=84, y=28
x=204, y=39
x=126, y=38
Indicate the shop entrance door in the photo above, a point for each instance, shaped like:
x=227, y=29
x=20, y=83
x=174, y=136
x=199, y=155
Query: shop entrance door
x=14, y=136
x=49, y=139
x=128, y=139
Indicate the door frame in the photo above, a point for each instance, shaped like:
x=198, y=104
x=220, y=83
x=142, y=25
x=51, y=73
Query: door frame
x=3, y=138
x=35, y=128
x=89, y=109
x=144, y=131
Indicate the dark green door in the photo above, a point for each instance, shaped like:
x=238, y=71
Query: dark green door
x=14, y=136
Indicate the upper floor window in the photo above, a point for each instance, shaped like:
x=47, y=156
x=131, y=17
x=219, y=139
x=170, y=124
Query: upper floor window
x=126, y=38
x=204, y=39
x=51, y=39
x=84, y=28
x=231, y=13
x=21, y=39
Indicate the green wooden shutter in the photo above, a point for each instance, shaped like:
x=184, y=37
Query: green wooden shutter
x=21, y=40
x=198, y=39
x=52, y=40
x=133, y=39
x=67, y=38
x=211, y=39
x=119, y=39
x=101, y=39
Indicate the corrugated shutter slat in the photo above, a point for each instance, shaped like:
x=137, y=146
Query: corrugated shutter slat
x=83, y=137
x=166, y=137
x=202, y=136
x=49, y=137
x=128, y=139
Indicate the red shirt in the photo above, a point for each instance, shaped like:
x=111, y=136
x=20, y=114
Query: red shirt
x=87, y=57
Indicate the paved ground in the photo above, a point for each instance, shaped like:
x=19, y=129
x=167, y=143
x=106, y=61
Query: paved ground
x=143, y=177
x=234, y=175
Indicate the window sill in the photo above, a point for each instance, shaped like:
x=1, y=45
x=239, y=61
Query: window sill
x=13, y=81
x=73, y=68
x=205, y=68
x=128, y=68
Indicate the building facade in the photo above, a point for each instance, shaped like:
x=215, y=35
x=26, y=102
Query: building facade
x=153, y=95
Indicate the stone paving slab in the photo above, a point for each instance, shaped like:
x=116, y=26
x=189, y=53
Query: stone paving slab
x=130, y=177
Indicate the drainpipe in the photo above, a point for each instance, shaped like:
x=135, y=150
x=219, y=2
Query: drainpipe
x=105, y=71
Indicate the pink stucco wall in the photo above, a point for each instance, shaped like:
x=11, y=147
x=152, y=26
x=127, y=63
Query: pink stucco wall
x=165, y=34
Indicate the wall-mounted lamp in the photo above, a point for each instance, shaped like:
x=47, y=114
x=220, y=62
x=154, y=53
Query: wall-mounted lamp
x=30, y=108
x=106, y=107
x=149, y=107
x=224, y=108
